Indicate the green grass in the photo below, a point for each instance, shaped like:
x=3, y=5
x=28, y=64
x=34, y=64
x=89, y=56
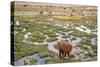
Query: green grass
x=86, y=41
x=78, y=33
x=19, y=37
x=36, y=37
x=49, y=62
x=94, y=47
x=52, y=39
x=32, y=61
x=18, y=28
x=23, y=49
x=52, y=35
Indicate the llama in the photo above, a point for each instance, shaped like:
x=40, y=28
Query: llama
x=64, y=48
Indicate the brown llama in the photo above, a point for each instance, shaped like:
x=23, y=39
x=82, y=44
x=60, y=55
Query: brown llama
x=64, y=48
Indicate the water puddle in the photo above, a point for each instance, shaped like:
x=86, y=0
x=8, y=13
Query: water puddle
x=84, y=29
x=26, y=36
x=17, y=23
x=36, y=57
x=93, y=41
x=24, y=30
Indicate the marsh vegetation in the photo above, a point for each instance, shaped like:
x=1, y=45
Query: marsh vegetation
x=39, y=37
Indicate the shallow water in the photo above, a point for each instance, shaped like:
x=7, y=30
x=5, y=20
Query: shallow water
x=26, y=36
x=93, y=41
x=17, y=22
x=24, y=30
x=84, y=29
x=36, y=57
x=52, y=48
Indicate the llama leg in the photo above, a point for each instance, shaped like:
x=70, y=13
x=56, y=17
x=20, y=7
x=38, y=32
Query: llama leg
x=68, y=54
x=64, y=54
x=60, y=53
